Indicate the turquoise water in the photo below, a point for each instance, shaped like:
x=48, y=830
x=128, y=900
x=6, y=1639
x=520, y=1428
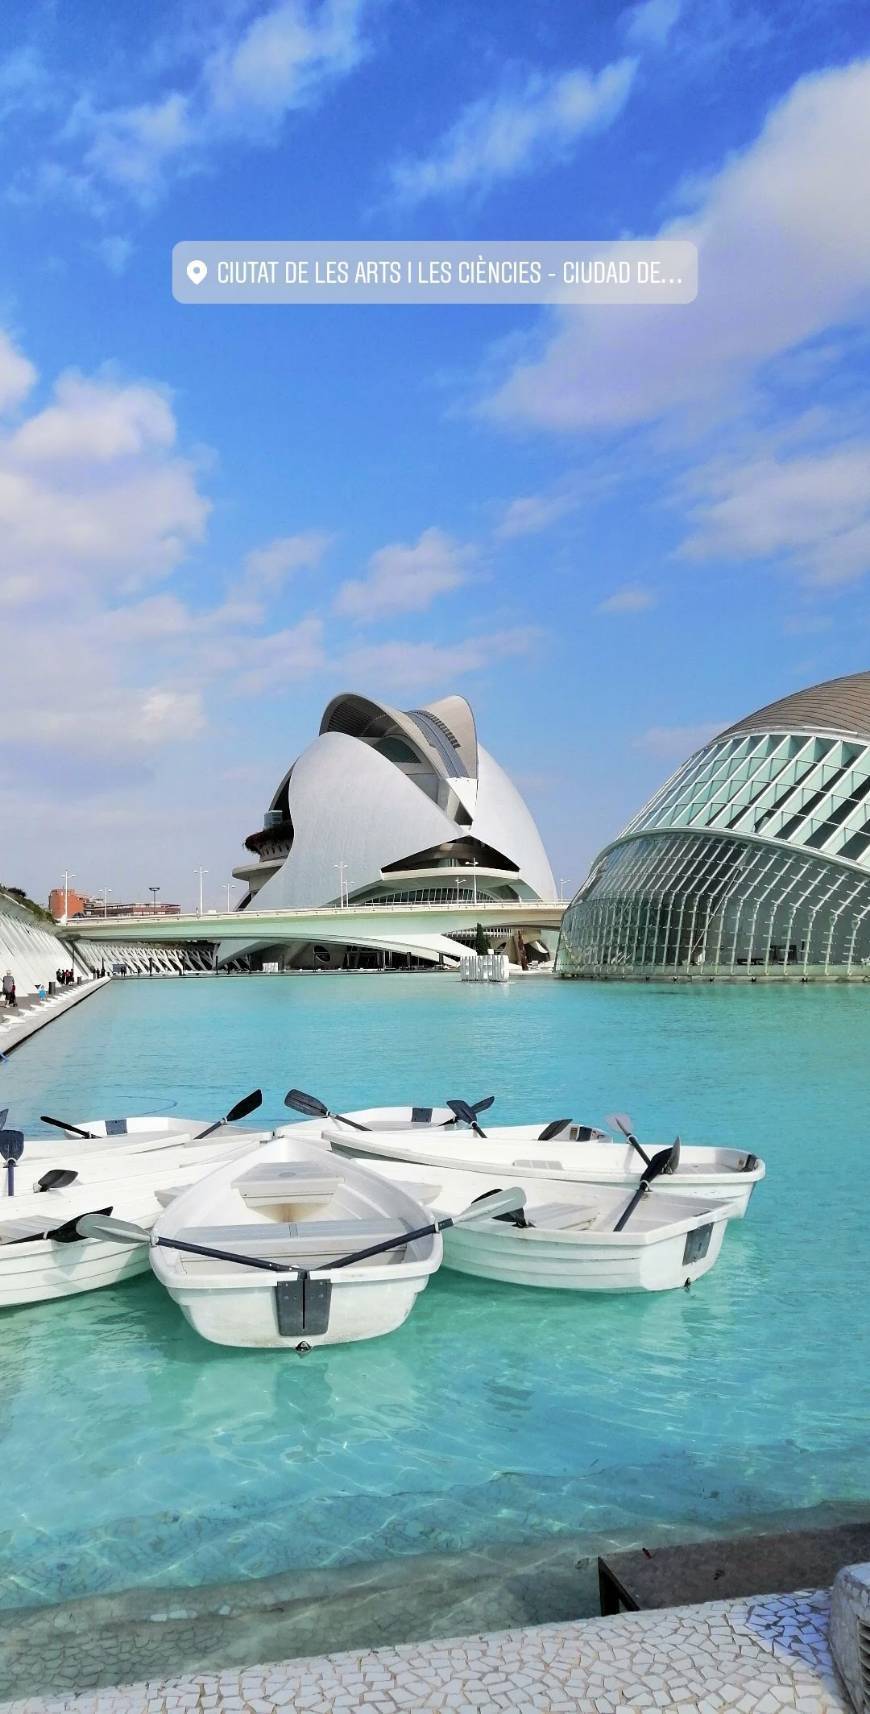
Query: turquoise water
x=134, y=1453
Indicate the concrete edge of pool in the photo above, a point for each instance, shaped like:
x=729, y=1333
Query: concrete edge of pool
x=759, y=1656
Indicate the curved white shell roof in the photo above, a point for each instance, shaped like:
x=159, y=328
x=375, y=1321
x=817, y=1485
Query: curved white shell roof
x=427, y=783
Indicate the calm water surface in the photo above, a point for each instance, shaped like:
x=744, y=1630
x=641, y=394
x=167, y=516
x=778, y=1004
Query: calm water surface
x=135, y=1453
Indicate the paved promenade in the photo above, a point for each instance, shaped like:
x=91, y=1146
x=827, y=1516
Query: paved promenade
x=761, y=1656
x=18, y=1024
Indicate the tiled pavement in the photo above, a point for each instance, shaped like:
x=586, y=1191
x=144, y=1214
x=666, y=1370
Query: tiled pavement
x=758, y=1656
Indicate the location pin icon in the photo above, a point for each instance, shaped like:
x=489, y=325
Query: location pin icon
x=196, y=271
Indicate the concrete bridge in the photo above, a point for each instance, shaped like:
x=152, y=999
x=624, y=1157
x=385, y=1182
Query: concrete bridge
x=419, y=929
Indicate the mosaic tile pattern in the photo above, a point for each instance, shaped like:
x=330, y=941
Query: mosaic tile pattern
x=759, y=1656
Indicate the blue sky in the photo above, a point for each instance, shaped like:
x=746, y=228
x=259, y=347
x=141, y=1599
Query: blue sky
x=613, y=529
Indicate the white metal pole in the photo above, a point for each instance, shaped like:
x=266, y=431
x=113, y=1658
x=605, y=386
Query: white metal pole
x=200, y=872
x=474, y=879
x=66, y=881
x=229, y=885
x=106, y=891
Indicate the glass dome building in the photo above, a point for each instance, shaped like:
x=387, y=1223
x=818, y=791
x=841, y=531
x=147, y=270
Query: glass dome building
x=753, y=860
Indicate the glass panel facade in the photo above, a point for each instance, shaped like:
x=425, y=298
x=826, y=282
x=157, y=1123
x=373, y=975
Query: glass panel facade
x=753, y=858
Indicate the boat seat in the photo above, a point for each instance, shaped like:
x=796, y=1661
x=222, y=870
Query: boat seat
x=560, y=1216
x=286, y=1181
x=326, y=1238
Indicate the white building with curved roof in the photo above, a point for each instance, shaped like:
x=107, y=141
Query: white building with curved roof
x=392, y=807
x=752, y=860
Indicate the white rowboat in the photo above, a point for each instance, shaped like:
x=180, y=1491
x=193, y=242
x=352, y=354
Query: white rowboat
x=295, y=1207
x=34, y=1267
x=571, y=1156
x=570, y=1245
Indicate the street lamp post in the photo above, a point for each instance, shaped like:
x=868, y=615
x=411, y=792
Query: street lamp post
x=474, y=879
x=229, y=906
x=153, y=891
x=105, y=892
x=200, y=872
x=342, y=889
x=68, y=875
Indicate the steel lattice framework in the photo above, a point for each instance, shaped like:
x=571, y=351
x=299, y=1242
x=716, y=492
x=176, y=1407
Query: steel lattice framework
x=753, y=859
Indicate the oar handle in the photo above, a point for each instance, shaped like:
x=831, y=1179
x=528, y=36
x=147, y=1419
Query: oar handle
x=636, y=1145
x=61, y=1125
x=640, y=1193
x=200, y=1135
x=395, y=1243
x=227, y=1256
x=353, y=1123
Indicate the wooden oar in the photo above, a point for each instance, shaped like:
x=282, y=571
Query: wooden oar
x=62, y=1125
x=100, y=1225
x=473, y=1107
x=240, y=1111
x=11, y=1150
x=484, y=1208
x=623, y=1124
x=467, y=1115
x=666, y=1161
x=315, y=1109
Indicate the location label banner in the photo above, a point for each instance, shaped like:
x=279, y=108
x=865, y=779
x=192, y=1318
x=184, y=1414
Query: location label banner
x=658, y=271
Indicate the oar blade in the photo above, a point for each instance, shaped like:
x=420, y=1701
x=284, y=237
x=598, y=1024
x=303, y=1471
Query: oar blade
x=58, y=1178
x=11, y=1145
x=481, y=1106
x=622, y=1123
x=490, y=1207
x=244, y=1107
x=99, y=1224
x=307, y=1104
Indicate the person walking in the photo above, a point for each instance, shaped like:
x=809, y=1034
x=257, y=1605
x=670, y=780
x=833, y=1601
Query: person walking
x=9, y=989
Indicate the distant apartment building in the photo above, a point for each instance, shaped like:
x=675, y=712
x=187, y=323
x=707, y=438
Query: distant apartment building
x=82, y=905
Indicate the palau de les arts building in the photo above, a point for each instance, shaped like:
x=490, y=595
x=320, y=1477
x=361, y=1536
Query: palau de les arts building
x=753, y=860
x=386, y=807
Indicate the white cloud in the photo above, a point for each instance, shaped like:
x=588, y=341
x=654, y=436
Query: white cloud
x=529, y=514
x=649, y=24
x=632, y=599
x=94, y=422
x=678, y=741
x=115, y=251
x=418, y=666
x=406, y=578
x=278, y=660
x=284, y=57
x=92, y=491
x=273, y=564
x=259, y=70
x=813, y=508
x=515, y=130
x=784, y=247
x=17, y=374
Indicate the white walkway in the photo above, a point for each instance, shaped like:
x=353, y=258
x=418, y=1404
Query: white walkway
x=19, y=1022
x=760, y=1656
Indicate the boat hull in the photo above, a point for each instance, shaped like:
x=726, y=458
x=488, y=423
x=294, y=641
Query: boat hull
x=44, y=1270
x=601, y=1263
x=607, y=1166
x=272, y=1209
x=360, y=1308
